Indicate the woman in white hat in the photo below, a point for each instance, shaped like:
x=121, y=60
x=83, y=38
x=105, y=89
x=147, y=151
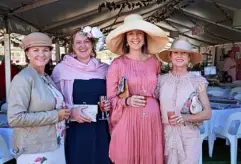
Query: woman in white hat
x=135, y=118
x=36, y=110
x=184, y=104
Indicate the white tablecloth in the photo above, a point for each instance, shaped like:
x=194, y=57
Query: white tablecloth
x=219, y=117
x=6, y=133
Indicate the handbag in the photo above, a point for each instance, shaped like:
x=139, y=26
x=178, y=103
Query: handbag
x=123, y=89
x=89, y=111
x=192, y=105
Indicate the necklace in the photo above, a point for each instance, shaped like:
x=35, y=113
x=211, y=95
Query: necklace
x=44, y=78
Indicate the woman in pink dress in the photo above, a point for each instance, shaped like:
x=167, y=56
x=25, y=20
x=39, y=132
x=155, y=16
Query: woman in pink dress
x=181, y=128
x=230, y=65
x=135, y=122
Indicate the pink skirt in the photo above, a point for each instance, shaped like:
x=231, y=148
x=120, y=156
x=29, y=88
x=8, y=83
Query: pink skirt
x=138, y=136
x=182, y=144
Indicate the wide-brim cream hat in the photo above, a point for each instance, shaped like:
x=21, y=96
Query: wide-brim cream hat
x=181, y=45
x=156, y=37
x=36, y=39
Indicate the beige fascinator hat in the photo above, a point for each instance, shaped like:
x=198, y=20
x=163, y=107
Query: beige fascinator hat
x=181, y=45
x=36, y=39
x=156, y=37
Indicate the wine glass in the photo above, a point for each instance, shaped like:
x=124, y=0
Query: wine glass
x=144, y=94
x=102, y=101
x=67, y=121
x=170, y=113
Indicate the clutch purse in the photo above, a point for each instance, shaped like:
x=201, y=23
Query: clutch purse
x=90, y=111
x=123, y=89
x=192, y=105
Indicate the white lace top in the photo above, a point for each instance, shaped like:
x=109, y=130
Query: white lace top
x=173, y=91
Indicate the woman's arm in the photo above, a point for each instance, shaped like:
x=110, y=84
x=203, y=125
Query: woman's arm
x=158, y=85
x=18, y=104
x=202, y=84
x=205, y=114
x=117, y=103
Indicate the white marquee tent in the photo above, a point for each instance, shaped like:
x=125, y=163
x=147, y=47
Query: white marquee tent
x=203, y=22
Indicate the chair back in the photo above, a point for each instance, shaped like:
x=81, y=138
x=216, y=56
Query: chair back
x=236, y=90
x=233, y=124
x=237, y=97
x=204, y=129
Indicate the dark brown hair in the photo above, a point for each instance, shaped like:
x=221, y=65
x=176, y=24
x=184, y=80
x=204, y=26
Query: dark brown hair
x=71, y=50
x=126, y=48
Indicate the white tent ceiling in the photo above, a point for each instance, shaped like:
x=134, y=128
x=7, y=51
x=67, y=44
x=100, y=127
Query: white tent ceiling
x=60, y=17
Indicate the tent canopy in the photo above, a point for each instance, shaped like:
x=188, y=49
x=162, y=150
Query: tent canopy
x=60, y=18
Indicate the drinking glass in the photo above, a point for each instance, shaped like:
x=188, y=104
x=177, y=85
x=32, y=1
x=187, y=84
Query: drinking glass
x=144, y=94
x=102, y=101
x=170, y=113
x=67, y=121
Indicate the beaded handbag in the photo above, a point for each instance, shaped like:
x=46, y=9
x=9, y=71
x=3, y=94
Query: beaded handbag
x=123, y=89
x=192, y=105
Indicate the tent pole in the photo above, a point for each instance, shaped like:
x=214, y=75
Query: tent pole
x=65, y=49
x=7, y=54
x=57, y=51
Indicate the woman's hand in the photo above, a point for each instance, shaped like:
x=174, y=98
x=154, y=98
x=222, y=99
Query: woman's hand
x=175, y=120
x=76, y=114
x=64, y=114
x=107, y=105
x=136, y=101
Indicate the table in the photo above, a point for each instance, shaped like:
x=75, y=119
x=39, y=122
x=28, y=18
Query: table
x=223, y=101
x=219, y=117
x=6, y=133
x=228, y=85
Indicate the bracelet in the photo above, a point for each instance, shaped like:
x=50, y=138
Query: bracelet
x=126, y=101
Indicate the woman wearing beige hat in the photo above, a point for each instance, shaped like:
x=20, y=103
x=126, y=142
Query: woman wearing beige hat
x=36, y=109
x=135, y=121
x=184, y=104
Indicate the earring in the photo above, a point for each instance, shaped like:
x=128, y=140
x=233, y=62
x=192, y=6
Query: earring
x=189, y=65
x=170, y=65
x=92, y=54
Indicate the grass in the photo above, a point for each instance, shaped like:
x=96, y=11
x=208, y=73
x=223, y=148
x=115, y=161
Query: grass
x=221, y=153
